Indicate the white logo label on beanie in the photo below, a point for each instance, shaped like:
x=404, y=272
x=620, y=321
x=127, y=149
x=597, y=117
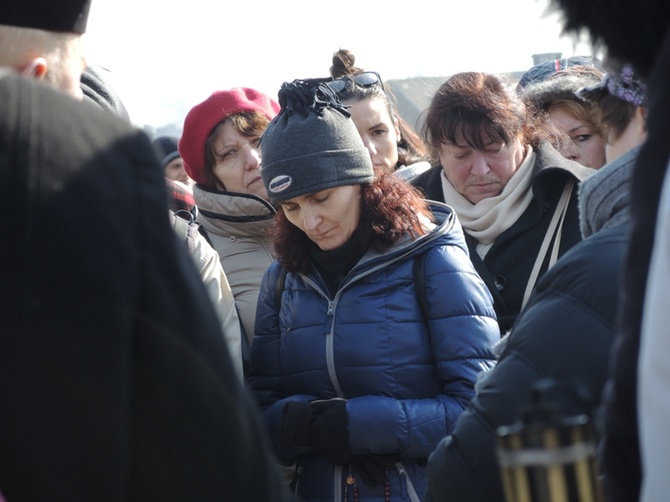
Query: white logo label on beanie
x=280, y=183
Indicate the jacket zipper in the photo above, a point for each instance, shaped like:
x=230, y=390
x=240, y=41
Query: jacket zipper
x=406, y=483
x=332, y=305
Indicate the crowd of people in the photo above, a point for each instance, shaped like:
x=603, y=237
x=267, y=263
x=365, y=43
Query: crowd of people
x=304, y=298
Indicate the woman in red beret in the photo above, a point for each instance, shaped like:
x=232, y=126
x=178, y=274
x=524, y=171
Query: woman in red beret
x=219, y=146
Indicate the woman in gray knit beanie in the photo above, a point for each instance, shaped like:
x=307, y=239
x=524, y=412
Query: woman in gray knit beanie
x=357, y=379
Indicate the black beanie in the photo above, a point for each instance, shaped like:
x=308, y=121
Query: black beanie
x=48, y=15
x=312, y=144
x=166, y=149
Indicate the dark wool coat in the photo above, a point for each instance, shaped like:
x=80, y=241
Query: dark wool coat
x=508, y=263
x=115, y=383
x=565, y=333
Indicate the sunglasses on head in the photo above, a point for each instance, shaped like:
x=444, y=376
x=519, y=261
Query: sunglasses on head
x=365, y=80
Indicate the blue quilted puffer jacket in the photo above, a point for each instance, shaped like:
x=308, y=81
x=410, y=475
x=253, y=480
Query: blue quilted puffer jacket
x=405, y=381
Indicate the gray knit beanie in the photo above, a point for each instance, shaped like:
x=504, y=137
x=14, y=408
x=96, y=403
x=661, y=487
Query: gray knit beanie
x=312, y=144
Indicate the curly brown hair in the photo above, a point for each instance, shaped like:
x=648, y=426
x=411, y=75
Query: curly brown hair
x=390, y=209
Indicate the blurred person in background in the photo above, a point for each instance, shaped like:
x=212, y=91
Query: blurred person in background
x=113, y=372
x=391, y=141
x=635, y=32
x=167, y=149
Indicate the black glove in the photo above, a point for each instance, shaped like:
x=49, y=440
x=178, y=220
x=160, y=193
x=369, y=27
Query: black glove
x=374, y=469
x=295, y=424
x=328, y=435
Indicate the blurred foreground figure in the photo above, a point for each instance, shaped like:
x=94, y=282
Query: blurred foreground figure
x=635, y=32
x=115, y=381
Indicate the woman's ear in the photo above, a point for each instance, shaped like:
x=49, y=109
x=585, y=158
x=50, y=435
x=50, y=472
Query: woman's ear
x=36, y=68
x=641, y=115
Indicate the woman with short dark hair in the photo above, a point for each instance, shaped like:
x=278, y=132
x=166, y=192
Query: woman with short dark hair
x=512, y=191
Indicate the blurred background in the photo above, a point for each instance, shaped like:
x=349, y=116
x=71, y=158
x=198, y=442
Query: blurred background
x=163, y=58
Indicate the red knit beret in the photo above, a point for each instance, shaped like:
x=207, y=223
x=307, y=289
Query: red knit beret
x=201, y=120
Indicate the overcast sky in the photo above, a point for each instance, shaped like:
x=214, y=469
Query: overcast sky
x=166, y=56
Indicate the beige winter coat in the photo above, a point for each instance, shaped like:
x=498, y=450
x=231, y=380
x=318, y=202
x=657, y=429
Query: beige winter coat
x=216, y=283
x=239, y=225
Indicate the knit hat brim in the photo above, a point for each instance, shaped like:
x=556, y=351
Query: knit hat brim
x=169, y=158
x=318, y=171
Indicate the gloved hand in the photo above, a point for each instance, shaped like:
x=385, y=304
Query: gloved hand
x=373, y=468
x=295, y=425
x=328, y=435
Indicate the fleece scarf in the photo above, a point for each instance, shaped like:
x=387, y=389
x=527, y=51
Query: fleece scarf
x=490, y=217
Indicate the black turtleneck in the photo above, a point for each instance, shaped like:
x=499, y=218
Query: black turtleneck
x=334, y=265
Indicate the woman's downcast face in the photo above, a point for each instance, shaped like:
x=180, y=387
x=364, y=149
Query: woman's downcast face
x=480, y=174
x=329, y=217
x=237, y=161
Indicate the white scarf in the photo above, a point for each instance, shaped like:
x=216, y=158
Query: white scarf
x=490, y=217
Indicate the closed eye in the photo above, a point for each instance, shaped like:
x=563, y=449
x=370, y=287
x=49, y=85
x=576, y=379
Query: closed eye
x=289, y=208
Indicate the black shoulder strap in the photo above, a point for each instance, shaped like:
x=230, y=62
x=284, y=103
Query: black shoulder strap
x=246, y=348
x=180, y=225
x=420, y=281
x=205, y=234
x=185, y=230
x=279, y=286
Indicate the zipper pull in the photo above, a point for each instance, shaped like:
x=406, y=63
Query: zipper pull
x=406, y=484
x=403, y=476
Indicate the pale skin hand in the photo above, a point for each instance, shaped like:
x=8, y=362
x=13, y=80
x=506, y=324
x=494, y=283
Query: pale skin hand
x=329, y=217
